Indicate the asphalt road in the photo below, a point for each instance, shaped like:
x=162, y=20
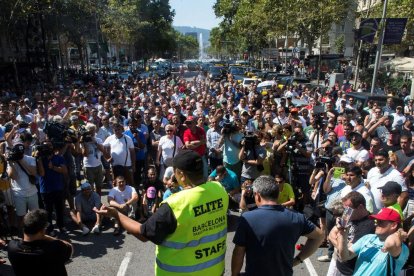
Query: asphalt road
x=108, y=255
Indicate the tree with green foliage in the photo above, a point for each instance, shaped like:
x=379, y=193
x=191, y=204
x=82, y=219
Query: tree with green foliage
x=186, y=46
x=253, y=22
x=340, y=44
x=399, y=9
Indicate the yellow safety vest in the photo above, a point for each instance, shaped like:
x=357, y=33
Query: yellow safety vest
x=198, y=245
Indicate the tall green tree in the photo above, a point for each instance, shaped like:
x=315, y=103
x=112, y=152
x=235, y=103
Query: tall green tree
x=254, y=21
x=399, y=9
x=186, y=46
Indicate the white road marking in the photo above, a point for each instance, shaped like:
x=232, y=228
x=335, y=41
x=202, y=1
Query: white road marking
x=124, y=265
x=310, y=267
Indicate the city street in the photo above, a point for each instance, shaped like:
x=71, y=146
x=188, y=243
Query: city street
x=109, y=255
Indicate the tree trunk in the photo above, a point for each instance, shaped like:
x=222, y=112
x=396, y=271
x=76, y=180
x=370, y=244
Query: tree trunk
x=80, y=50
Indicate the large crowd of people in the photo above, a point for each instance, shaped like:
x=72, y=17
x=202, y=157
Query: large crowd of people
x=323, y=157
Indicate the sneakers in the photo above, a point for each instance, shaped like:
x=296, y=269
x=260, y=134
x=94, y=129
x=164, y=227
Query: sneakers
x=96, y=229
x=324, y=258
x=85, y=230
x=117, y=231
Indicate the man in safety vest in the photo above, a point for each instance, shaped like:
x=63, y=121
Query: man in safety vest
x=190, y=227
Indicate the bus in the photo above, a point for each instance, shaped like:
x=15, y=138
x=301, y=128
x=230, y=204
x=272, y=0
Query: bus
x=329, y=62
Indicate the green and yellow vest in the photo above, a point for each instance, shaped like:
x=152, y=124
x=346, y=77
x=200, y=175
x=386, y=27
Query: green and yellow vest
x=198, y=245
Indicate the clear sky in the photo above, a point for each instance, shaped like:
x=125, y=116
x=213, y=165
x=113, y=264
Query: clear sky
x=194, y=13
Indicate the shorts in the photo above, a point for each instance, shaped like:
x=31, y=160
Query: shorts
x=94, y=175
x=23, y=204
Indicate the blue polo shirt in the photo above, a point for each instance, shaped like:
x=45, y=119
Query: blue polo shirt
x=230, y=180
x=52, y=181
x=270, y=246
x=139, y=154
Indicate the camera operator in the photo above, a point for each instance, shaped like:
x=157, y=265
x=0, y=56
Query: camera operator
x=230, y=139
x=21, y=169
x=252, y=154
x=92, y=150
x=300, y=150
x=69, y=151
x=52, y=170
x=247, y=202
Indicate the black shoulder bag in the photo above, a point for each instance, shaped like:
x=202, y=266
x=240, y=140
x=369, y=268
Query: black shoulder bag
x=32, y=178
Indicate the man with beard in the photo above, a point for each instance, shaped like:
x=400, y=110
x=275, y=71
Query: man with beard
x=356, y=153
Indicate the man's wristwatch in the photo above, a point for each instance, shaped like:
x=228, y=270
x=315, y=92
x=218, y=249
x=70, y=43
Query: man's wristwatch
x=298, y=259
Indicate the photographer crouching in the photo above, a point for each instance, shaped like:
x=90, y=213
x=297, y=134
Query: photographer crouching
x=299, y=150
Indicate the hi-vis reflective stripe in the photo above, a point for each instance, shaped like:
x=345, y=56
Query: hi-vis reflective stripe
x=190, y=268
x=194, y=243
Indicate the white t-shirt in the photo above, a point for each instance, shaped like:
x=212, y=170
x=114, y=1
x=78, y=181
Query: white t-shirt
x=122, y=196
x=399, y=119
x=360, y=155
x=365, y=192
x=119, y=150
x=94, y=154
x=22, y=187
x=281, y=121
x=166, y=145
x=376, y=180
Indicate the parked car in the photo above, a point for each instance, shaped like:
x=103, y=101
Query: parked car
x=293, y=81
x=238, y=72
x=193, y=66
x=249, y=81
x=362, y=98
x=215, y=73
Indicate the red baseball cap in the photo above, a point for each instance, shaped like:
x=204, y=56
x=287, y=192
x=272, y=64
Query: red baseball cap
x=387, y=214
x=190, y=119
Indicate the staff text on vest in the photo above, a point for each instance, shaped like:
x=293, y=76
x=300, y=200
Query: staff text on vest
x=208, y=207
x=205, y=252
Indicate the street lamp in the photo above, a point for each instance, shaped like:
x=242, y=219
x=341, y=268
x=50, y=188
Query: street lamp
x=379, y=48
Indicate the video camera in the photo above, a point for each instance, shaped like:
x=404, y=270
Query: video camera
x=85, y=135
x=322, y=161
x=60, y=134
x=325, y=159
x=43, y=150
x=16, y=153
x=319, y=121
x=291, y=143
x=228, y=127
x=249, y=140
